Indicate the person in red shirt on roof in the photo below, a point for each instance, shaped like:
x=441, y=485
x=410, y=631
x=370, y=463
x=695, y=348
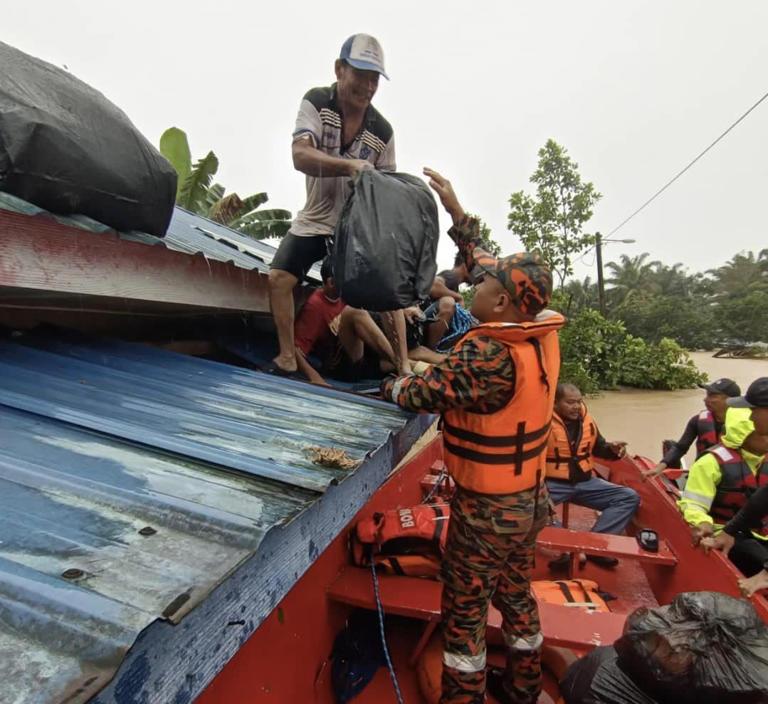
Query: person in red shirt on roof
x=338, y=334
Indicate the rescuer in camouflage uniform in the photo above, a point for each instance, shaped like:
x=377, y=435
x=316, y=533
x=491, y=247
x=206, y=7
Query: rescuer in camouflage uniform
x=495, y=391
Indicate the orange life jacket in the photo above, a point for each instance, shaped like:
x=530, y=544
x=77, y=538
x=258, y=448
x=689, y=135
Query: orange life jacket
x=566, y=460
x=480, y=452
x=405, y=541
x=573, y=592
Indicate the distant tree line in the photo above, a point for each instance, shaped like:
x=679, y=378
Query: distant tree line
x=726, y=305
x=654, y=311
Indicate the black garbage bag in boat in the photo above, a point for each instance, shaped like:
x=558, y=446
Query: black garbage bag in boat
x=386, y=242
x=597, y=678
x=67, y=149
x=357, y=655
x=703, y=648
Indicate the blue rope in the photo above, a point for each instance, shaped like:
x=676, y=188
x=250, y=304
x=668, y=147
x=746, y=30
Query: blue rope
x=383, y=636
x=434, y=489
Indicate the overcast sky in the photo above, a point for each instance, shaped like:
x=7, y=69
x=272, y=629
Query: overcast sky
x=633, y=90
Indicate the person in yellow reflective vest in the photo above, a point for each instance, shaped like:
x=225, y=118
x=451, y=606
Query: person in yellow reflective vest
x=720, y=483
x=754, y=514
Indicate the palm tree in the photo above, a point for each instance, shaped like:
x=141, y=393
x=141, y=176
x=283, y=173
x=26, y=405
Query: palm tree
x=629, y=277
x=579, y=295
x=197, y=192
x=741, y=275
x=670, y=280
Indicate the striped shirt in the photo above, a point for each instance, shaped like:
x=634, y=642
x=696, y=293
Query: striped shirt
x=320, y=118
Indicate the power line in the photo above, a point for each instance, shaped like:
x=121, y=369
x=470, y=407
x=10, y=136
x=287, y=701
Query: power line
x=677, y=176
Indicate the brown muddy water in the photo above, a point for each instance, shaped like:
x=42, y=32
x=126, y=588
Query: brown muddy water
x=645, y=418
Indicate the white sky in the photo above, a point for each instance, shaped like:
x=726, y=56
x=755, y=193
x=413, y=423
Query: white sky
x=633, y=90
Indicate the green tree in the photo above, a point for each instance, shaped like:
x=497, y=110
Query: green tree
x=599, y=354
x=744, y=318
x=629, y=276
x=664, y=365
x=671, y=280
x=552, y=221
x=576, y=296
x=591, y=349
x=741, y=275
x=654, y=317
x=197, y=192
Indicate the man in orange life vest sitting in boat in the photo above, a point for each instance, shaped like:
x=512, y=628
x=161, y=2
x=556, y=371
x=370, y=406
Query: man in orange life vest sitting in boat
x=721, y=482
x=495, y=391
x=573, y=443
x=706, y=428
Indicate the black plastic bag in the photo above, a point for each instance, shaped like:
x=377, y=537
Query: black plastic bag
x=67, y=149
x=704, y=648
x=386, y=242
x=597, y=678
x=357, y=655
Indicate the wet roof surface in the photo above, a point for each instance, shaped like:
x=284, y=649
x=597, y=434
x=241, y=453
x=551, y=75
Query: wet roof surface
x=132, y=482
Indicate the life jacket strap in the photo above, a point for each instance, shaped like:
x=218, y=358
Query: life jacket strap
x=521, y=437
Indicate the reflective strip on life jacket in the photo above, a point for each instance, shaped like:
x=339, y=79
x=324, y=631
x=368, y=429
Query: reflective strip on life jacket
x=706, y=434
x=480, y=452
x=566, y=460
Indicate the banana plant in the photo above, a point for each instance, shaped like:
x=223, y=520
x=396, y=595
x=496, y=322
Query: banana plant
x=198, y=193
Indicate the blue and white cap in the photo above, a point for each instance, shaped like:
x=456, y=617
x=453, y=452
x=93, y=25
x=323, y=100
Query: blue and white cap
x=364, y=52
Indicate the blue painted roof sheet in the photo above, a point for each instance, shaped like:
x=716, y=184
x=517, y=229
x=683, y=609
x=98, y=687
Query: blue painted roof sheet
x=188, y=233
x=133, y=481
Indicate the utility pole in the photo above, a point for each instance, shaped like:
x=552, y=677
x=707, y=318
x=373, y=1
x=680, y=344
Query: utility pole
x=600, y=283
x=599, y=259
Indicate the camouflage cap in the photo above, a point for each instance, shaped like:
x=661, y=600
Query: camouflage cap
x=524, y=275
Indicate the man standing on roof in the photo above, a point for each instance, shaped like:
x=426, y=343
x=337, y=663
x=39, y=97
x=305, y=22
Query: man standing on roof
x=706, y=428
x=338, y=134
x=754, y=515
x=495, y=391
x=721, y=482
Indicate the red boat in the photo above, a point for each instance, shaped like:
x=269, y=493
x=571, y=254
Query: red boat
x=287, y=659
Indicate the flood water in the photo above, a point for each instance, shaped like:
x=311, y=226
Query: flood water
x=645, y=418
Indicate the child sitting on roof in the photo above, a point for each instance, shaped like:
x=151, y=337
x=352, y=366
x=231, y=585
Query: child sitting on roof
x=339, y=336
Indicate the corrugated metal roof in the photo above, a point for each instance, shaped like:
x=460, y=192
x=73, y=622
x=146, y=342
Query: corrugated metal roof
x=188, y=233
x=132, y=482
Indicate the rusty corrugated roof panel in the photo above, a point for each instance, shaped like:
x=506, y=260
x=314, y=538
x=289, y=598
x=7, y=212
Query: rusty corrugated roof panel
x=188, y=233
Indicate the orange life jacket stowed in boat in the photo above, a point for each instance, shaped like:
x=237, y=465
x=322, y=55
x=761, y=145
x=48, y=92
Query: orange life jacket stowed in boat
x=572, y=592
x=737, y=484
x=571, y=462
x=405, y=541
x=503, y=452
x=706, y=433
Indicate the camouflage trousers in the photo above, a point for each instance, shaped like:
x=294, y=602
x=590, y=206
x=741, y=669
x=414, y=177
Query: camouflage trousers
x=489, y=559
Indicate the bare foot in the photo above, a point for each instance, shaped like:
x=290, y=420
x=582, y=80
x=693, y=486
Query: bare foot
x=754, y=584
x=286, y=362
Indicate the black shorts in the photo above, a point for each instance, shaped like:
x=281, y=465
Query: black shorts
x=340, y=366
x=296, y=255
